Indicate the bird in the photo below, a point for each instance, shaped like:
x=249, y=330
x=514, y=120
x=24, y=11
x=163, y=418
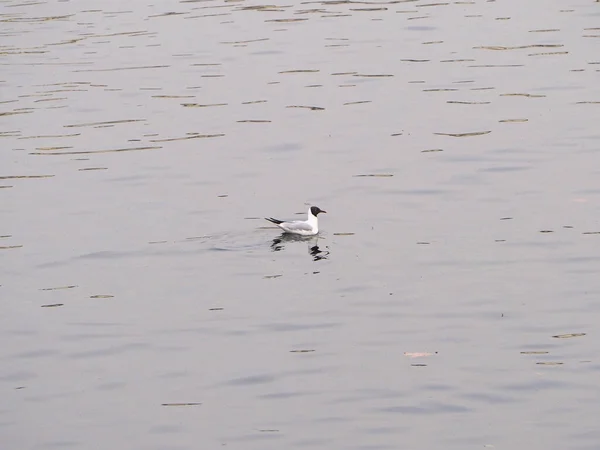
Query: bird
x=308, y=227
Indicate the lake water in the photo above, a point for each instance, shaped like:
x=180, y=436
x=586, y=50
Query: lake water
x=451, y=300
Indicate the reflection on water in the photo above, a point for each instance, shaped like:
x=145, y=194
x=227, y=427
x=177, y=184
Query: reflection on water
x=314, y=250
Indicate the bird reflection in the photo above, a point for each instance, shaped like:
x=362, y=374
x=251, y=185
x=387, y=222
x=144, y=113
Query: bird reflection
x=314, y=250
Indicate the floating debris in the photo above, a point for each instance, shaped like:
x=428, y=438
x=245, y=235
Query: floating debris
x=71, y=286
x=110, y=122
x=195, y=238
x=468, y=103
x=52, y=305
x=523, y=95
x=11, y=177
x=475, y=133
x=376, y=75
x=8, y=247
x=368, y=9
x=198, y=105
x=208, y=15
x=272, y=276
x=569, y=335
x=310, y=11
x=194, y=136
x=12, y=113
x=285, y=20
x=337, y=15
x=301, y=351
x=343, y=234
x=300, y=71
x=253, y=121
x=52, y=148
x=312, y=108
x=122, y=68
x=173, y=96
x=549, y=363
x=548, y=53
x=419, y=354
x=260, y=8
x=378, y=175
x=50, y=99
x=500, y=47
x=170, y=13
x=534, y=353
x=216, y=309
x=85, y=152
x=246, y=42
x=357, y=103
x=102, y=296
x=92, y=168
x=513, y=120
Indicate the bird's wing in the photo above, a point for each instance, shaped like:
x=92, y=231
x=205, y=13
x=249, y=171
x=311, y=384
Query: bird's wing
x=275, y=221
x=297, y=226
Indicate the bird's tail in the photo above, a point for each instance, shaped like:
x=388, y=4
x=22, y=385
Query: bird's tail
x=275, y=221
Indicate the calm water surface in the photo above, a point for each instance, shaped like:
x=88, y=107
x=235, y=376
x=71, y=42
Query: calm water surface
x=451, y=300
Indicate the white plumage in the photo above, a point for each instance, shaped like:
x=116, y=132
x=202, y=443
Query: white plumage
x=308, y=227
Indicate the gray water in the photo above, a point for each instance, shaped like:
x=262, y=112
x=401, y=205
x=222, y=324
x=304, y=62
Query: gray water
x=450, y=301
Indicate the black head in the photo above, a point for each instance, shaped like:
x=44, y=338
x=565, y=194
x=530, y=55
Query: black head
x=315, y=210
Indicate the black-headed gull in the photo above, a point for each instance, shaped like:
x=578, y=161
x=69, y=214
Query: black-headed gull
x=308, y=227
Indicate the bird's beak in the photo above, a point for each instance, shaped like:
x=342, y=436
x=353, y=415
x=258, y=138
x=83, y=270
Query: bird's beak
x=323, y=211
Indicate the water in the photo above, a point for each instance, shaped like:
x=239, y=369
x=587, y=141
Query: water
x=145, y=303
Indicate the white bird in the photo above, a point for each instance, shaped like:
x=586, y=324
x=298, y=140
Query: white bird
x=308, y=227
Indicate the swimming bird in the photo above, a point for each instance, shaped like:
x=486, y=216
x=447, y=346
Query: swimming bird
x=308, y=227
